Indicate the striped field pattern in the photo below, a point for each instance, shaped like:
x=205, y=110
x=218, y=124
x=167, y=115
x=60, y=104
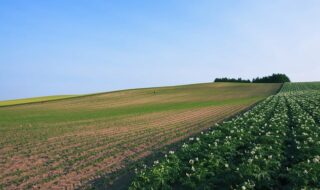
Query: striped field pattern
x=64, y=143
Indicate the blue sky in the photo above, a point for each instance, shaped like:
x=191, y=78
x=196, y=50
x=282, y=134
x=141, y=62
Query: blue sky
x=87, y=46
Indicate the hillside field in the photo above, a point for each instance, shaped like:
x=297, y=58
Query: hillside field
x=65, y=143
x=274, y=145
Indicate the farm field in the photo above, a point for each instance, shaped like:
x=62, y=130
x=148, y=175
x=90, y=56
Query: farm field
x=274, y=145
x=34, y=100
x=65, y=143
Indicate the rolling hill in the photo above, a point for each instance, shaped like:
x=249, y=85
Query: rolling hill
x=68, y=142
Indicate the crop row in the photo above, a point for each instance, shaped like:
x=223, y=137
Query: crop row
x=88, y=154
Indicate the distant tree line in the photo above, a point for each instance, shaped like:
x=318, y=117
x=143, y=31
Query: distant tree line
x=274, y=78
x=225, y=79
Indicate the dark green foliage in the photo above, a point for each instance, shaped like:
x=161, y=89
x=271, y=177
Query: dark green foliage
x=274, y=78
x=231, y=80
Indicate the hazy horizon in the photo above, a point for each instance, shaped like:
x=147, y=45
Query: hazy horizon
x=79, y=46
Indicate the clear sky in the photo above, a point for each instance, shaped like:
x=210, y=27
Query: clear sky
x=86, y=46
